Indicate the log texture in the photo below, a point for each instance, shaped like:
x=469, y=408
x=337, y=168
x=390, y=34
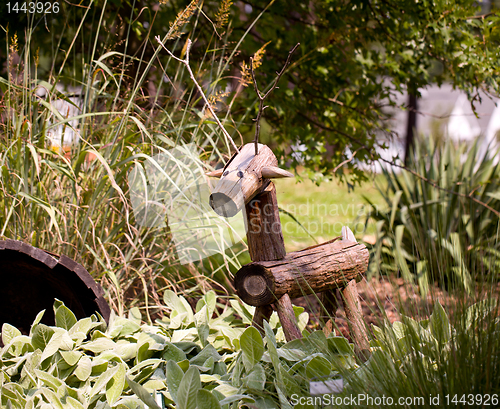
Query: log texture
x=265, y=243
x=312, y=270
x=242, y=179
x=264, y=235
x=287, y=318
x=350, y=298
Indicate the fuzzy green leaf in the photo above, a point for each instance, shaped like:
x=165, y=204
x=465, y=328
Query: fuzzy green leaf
x=256, y=379
x=206, y=400
x=9, y=332
x=188, y=389
x=115, y=386
x=174, y=377
x=41, y=336
x=142, y=394
x=64, y=317
x=83, y=369
x=252, y=346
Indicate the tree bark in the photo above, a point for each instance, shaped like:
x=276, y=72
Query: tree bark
x=411, y=125
x=350, y=298
x=264, y=235
x=312, y=270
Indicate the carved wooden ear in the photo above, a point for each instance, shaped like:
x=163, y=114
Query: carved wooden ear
x=273, y=172
x=215, y=173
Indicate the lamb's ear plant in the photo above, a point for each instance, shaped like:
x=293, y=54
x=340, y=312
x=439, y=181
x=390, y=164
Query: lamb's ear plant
x=200, y=359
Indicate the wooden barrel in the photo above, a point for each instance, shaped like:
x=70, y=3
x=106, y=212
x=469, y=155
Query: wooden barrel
x=31, y=279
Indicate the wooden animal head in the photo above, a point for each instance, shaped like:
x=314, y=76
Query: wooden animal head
x=243, y=177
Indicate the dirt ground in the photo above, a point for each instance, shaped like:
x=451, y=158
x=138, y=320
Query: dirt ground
x=382, y=299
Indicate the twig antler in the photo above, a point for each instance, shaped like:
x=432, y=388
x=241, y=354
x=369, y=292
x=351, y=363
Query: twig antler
x=263, y=97
x=200, y=90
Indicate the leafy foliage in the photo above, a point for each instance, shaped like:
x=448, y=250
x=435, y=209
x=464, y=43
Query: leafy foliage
x=353, y=56
x=443, y=227
x=176, y=362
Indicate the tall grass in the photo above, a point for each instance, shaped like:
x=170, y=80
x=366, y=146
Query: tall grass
x=77, y=201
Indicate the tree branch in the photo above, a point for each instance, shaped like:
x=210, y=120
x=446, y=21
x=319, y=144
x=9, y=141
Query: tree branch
x=262, y=98
x=200, y=90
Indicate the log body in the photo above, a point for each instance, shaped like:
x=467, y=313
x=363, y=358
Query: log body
x=265, y=238
x=312, y=270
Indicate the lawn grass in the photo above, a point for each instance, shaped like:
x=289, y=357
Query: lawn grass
x=322, y=210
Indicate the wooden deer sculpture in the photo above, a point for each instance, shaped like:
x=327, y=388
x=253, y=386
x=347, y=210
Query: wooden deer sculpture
x=274, y=276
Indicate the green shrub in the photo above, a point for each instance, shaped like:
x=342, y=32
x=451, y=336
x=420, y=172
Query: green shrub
x=441, y=223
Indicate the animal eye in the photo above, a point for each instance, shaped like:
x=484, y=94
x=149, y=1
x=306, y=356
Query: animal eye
x=240, y=174
x=225, y=173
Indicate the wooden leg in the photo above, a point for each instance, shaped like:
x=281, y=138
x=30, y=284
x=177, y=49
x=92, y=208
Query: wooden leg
x=352, y=308
x=287, y=318
x=328, y=310
x=261, y=313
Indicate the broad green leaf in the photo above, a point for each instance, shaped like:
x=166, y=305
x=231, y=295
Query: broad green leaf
x=103, y=380
x=52, y=397
x=99, y=345
x=339, y=345
x=126, y=350
x=188, y=389
x=142, y=394
x=115, y=386
x=252, y=347
x=37, y=320
x=210, y=301
x=9, y=332
x=41, y=336
x=208, y=352
x=123, y=327
x=135, y=315
x=203, y=332
x=206, y=400
x=172, y=352
x=439, y=324
x=64, y=317
x=256, y=379
x=59, y=341
x=84, y=326
x=83, y=369
x=174, y=376
x=49, y=380
x=57, y=304
x=317, y=367
x=71, y=357
x=73, y=403
x=245, y=311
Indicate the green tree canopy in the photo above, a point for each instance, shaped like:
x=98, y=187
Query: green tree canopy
x=353, y=56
